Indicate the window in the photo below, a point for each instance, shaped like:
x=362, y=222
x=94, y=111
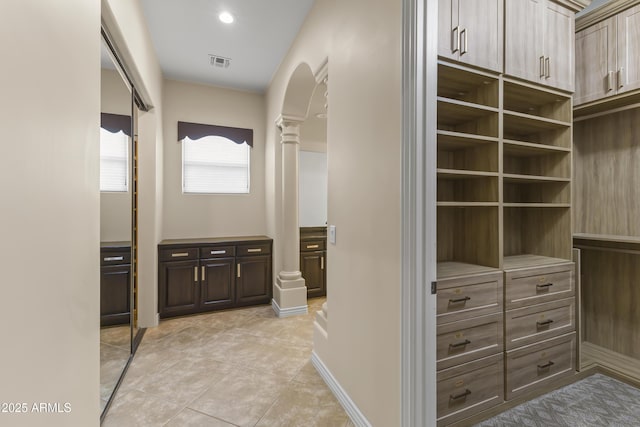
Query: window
x=114, y=161
x=215, y=164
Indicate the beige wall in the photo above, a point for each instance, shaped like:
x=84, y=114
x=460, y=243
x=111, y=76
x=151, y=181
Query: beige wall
x=125, y=21
x=49, y=221
x=206, y=215
x=115, y=208
x=364, y=161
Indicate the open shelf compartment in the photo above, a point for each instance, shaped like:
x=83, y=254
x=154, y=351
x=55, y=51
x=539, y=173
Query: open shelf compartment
x=467, y=152
x=538, y=102
x=466, y=85
x=466, y=186
x=464, y=117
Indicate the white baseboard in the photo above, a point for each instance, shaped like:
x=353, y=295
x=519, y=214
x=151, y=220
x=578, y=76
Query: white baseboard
x=357, y=417
x=287, y=312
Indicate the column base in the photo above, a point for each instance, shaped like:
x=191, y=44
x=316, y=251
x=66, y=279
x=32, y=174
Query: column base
x=289, y=297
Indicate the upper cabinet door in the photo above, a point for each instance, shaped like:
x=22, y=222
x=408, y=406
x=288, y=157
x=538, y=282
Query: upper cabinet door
x=595, y=62
x=481, y=35
x=628, y=72
x=448, y=30
x=471, y=31
x=524, y=56
x=559, y=36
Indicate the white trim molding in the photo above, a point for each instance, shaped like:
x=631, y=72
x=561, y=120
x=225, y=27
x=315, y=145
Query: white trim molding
x=357, y=417
x=603, y=12
x=323, y=71
x=288, y=312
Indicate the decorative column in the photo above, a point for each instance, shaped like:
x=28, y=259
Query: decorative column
x=290, y=292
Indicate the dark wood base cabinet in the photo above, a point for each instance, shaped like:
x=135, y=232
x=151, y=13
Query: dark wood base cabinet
x=115, y=284
x=198, y=275
x=313, y=260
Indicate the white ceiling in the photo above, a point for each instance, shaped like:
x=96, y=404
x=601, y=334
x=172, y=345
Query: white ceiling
x=185, y=32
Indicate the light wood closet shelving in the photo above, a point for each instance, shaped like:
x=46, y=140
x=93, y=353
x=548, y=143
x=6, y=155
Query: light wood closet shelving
x=504, y=173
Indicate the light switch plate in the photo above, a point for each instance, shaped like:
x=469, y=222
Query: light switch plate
x=332, y=234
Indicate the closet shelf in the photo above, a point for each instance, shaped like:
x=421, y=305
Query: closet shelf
x=530, y=149
x=467, y=204
x=464, y=174
x=446, y=269
x=524, y=124
x=450, y=140
x=529, y=260
x=536, y=205
x=517, y=179
x=456, y=112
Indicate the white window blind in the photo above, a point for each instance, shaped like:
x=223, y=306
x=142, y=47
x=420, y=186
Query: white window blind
x=215, y=164
x=114, y=159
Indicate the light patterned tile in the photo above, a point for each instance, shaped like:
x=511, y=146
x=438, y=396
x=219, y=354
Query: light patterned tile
x=191, y=418
x=138, y=409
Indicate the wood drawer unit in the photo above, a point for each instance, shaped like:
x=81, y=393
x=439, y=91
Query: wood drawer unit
x=254, y=249
x=464, y=297
x=312, y=245
x=537, y=364
x=470, y=339
x=217, y=251
x=115, y=257
x=178, y=254
x=536, y=285
x=538, y=322
x=470, y=388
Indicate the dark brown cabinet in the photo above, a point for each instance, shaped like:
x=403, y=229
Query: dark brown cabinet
x=115, y=285
x=313, y=260
x=197, y=275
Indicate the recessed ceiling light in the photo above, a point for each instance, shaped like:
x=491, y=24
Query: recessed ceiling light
x=226, y=17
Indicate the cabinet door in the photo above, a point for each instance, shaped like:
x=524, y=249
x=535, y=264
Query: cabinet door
x=523, y=39
x=253, y=280
x=559, y=36
x=216, y=281
x=448, y=42
x=179, y=291
x=595, y=59
x=312, y=265
x=481, y=33
x=115, y=294
x=629, y=50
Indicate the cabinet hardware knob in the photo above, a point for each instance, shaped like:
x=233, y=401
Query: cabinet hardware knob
x=114, y=258
x=544, y=322
x=459, y=300
x=463, y=35
x=238, y=270
x=203, y=276
x=252, y=250
x=460, y=344
x=195, y=273
x=179, y=254
x=544, y=286
x=455, y=40
x=465, y=393
x=546, y=365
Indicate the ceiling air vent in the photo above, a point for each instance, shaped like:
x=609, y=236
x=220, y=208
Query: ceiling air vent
x=219, y=61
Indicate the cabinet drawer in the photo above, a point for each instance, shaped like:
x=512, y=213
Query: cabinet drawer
x=312, y=245
x=536, y=285
x=539, y=322
x=470, y=388
x=255, y=249
x=465, y=297
x=180, y=254
x=217, y=251
x=115, y=257
x=466, y=340
x=538, y=364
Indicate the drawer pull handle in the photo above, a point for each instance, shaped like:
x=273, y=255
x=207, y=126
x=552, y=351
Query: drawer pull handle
x=460, y=344
x=544, y=286
x=313, y=246
x=251, y=250
x=114, y=258
x=459, y=300
x=179, y=254
x=238, y=270
x=321, y=263
x=195, y=274
x=546, y=365
x=203, y=273
x=544, y=322
x=462, y=395
x=218, y=252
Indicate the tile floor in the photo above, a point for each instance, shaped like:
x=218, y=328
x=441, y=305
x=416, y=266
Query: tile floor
x=232, y=368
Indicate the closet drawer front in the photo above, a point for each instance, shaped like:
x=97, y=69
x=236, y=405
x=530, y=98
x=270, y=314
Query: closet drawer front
x=539, y=322
x=312, y=245
x=115, y=258
x=466, y=297
x=538, y=364
x=256, y=249
x=180, y=254
x=537, y=285
x=467, y=340
x=217, y=251
x=470, y=388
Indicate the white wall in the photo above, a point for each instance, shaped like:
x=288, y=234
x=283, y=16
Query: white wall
x=313, y=189
x=211, y=215
x=49, y=221
x=364, y=169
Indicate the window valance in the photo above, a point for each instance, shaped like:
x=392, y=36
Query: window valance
x=197, y=131
x=115, y=123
